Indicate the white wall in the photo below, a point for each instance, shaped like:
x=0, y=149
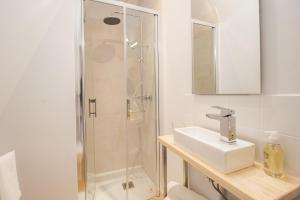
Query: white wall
x=37, y=104
x=276, y=109
x=175, y=72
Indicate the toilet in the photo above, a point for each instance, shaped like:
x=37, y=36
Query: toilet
x=177, y=191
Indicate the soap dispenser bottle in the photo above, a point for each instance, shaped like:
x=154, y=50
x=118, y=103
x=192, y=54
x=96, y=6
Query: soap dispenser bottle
x=273, y=156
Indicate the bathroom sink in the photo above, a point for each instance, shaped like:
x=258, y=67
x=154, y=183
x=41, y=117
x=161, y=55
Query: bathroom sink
x=207, y=146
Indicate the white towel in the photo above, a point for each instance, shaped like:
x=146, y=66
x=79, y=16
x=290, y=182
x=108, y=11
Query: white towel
x=179, y=192
x=9, y=185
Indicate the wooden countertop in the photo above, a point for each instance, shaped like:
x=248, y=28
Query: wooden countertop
x=247, y=184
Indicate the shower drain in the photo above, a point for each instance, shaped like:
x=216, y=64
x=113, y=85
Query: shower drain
x=129, y=185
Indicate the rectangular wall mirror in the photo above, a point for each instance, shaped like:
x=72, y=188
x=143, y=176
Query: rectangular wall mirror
x=226, y=47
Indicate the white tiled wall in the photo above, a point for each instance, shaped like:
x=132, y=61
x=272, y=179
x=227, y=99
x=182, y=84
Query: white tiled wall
x=278, y=108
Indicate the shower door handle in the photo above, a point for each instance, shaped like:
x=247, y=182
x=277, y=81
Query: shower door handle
x=94, y=112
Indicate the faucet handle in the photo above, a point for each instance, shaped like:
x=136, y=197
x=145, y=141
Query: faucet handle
x=225, y=111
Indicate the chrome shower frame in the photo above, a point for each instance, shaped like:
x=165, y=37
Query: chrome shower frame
x=80, y=71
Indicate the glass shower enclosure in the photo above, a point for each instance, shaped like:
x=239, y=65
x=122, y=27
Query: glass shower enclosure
x=120, y=95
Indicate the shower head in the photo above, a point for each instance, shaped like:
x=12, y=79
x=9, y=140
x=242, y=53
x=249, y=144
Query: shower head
x=111, y=20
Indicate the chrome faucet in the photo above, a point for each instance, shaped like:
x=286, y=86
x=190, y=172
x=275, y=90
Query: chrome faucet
x=227, y=123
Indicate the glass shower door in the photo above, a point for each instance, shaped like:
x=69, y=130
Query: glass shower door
x=90, y=111
x=90, y=152
x=141, y=104
x=120, y=77
x=104, y=70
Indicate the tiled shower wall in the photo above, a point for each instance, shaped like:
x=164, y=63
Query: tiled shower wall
x=278, y=108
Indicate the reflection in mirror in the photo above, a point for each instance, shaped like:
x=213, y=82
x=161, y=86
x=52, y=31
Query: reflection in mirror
x=204, y=59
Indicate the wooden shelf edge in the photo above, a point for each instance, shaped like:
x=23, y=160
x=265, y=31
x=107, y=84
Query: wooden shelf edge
x=232, y=182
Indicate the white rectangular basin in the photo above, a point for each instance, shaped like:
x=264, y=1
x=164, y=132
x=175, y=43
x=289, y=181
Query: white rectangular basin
x=207, y=146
